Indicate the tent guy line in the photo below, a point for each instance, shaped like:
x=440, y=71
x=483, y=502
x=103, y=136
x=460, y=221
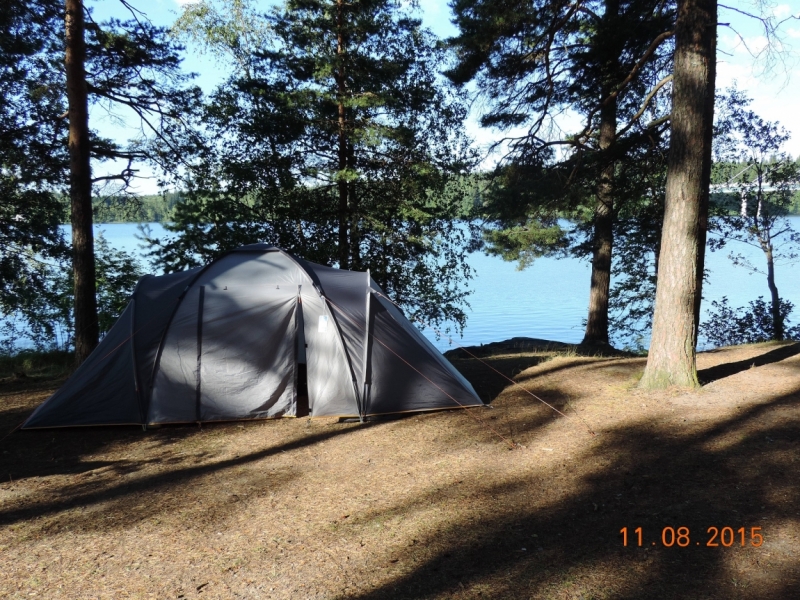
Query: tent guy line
x=503, y=375
x=511, y=443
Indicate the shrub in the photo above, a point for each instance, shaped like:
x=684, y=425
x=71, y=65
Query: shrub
x=728, y=326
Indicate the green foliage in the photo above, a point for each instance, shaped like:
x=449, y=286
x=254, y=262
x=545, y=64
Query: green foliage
x=39, y=315
x=156, y=208
x=42, y=315
x=133, y=68
x=340, y=142
x=117, y=275
x=32, y=148
x=524, y=204
x=32, y=363
x=532, y=59
x=606, y=62
x=234, y=34
x=637, y=235
x=794, y=205
x=727, y=326
x=637, y=242
x=524, y=243
x=32, y=130
x=752, y=165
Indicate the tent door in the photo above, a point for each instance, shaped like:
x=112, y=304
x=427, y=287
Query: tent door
x=302, y=408
x=249, y=352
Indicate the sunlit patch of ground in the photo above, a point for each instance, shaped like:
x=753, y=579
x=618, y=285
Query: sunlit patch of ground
x=431, y=506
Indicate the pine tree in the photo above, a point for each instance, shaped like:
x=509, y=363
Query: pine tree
x=605, y=60
x=58, y=58
x=86, y=328
x=342, y=144
x=751, y=163
x=33, y=155
x=671, y=359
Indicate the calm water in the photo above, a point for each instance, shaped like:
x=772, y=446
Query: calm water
x=549, y=299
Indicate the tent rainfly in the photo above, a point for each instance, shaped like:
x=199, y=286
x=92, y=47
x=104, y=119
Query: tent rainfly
x=256, y=334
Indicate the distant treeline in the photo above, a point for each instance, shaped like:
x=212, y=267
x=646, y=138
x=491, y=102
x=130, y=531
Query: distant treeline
x=740, y=175
x=155, y=208
x=731, y=202
x=158, y=208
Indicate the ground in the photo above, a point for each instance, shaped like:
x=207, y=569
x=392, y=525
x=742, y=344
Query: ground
x=514, y=501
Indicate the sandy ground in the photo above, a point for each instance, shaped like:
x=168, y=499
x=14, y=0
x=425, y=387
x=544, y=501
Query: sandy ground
x=432, y=506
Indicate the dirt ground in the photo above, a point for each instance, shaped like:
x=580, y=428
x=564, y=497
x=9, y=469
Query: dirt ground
x=431, y=506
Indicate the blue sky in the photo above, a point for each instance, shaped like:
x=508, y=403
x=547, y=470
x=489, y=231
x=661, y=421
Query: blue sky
x=743, y=59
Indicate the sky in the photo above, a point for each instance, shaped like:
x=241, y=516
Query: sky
x=768, y=73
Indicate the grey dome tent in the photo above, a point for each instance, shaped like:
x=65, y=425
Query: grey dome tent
x=235, y=339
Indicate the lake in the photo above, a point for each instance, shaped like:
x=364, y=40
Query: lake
x=549, y=299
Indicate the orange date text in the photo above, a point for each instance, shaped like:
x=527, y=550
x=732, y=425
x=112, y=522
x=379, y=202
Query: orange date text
x=681, y=536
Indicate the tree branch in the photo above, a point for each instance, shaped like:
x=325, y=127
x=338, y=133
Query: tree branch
x=645, y=104
x=639, y=64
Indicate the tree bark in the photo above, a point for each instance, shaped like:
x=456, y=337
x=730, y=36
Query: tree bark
x=597, y=322
x=596, y=333
x=777, y=317
x=672, y=359
x=83, y=262
x=354, y=209
x=342, y=187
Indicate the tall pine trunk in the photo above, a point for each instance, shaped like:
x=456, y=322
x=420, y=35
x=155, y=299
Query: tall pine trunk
x=603, y=236
x=671, y=360
x=83, y=263
x=602, y=245
x=353, y=205
x=342, y=187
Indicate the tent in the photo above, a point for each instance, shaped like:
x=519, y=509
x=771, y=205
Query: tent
x=256, y=334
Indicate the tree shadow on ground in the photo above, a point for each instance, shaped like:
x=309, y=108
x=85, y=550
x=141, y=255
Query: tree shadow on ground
x=490, y=376
x=41, y=453
x=590, y=364
x=152, y=462
x=653, y=477
x=172, y=474
x=741, y=471
x=490, y=367
x=714, y=373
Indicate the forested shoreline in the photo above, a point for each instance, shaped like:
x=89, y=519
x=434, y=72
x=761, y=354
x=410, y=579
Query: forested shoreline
x=158, y=208
x=152, y=208
x=252, y=397
x=337, y=132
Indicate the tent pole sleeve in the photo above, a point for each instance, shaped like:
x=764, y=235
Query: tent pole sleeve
x=298, y=316
x=326, y=304
x=365, y=359
x=199, y=351
x=137, y=388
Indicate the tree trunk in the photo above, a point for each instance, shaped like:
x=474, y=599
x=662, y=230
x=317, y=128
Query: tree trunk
x=777, y=317
x=671, y=360
x=344, y=220
x=353, y=203
x=83, y=265
x=596, y=333
x=597, y=322
x=702, y=236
